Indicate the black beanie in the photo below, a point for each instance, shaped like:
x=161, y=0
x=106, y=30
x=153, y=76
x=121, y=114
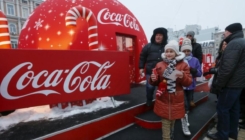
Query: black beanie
x=162, y=31
x=234, y=27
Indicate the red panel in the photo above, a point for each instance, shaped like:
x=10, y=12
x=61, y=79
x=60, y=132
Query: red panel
x=101, y=127
x=39, y=77
x=202, y=88
x=148, y=125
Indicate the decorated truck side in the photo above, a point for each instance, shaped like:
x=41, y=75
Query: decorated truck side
x=70, y=52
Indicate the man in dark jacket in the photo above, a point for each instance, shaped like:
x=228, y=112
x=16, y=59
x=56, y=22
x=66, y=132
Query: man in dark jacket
x=196, y=47
x=150, y=56
x=229, y=82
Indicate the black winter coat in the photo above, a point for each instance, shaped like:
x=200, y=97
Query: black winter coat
x=197, y=51
x=231, y=72
x=150, y=56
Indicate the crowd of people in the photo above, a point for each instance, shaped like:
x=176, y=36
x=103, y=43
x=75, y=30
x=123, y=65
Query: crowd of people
x=171, y=68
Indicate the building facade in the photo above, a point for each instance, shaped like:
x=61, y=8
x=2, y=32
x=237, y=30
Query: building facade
x=17, y=11
x=181, y=33
x=200, y=34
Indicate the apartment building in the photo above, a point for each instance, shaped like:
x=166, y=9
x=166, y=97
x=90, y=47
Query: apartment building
x=17, y=11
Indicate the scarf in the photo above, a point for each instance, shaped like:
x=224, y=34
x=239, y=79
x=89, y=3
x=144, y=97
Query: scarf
x=171, y=84
x=188, y=58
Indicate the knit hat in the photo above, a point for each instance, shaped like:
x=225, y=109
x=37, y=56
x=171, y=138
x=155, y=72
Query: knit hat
x=186, y=45
x=162, y=31
x=174, y=45
x=234, y=27
x=191, y=33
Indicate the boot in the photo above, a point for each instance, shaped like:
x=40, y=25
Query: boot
x=185, y=128
x=192, y=104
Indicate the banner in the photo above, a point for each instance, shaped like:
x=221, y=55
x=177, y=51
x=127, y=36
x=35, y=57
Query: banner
x=38, y=77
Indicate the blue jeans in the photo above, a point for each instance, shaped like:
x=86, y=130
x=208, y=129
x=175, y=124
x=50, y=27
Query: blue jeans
x=228, y=110
x=149, y=89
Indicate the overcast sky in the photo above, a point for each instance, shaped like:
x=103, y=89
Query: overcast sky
x=178, y=13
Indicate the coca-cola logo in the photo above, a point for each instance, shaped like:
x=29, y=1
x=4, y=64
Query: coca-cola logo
x=126, y=20
x=65, y=77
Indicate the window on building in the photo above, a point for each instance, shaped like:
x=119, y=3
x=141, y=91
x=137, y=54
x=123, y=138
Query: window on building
x=12, y=28
x=24, y=1
x=10, y=9
x=25, y=12
x=14, y=44
x=37, y=4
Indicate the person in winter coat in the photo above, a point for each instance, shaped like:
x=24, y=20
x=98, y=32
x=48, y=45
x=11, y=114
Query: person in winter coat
x=170, y=75
x=214, y=70
x=196, y=47
x=196, y=51
x=229, y=83
x=150, y=56
x=195, y=70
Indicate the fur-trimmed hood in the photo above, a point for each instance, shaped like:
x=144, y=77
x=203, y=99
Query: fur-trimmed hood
x=162, y=31
x=181, y=56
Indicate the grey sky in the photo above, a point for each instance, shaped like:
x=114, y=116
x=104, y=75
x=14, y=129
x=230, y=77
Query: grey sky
x=178, y=13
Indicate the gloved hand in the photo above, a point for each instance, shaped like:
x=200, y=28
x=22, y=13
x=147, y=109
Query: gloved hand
x=193, y=71
x=213, y=70
x=206, y=73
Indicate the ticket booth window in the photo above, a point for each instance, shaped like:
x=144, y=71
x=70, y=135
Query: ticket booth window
x=126, y=43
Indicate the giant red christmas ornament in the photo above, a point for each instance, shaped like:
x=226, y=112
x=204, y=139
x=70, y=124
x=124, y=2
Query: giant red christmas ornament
x=46, y=27
x=85, y=25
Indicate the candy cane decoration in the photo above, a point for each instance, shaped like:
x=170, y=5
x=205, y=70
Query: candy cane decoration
x=80, y=11
x=5, y=42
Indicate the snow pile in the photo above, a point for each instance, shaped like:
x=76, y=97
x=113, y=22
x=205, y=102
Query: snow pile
x=46, y=113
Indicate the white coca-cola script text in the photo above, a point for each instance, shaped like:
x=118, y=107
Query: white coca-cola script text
x=126, y=20
x=70, y=81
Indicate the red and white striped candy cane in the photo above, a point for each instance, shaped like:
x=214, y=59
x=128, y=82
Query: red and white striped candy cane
x=80, y=11
x=5, y=42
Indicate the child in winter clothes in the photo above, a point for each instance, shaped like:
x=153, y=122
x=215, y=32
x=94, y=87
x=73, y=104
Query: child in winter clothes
x=169, y=103
x=195, y=70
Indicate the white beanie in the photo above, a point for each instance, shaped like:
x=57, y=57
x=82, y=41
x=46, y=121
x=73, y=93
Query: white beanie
x=174, y=45
x=186, y=44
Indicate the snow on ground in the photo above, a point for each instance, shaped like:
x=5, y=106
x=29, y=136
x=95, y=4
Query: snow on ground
x=46, y=113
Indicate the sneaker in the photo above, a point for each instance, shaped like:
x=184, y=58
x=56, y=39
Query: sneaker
x=192, y=103
x=213, y=130
x=186, y=119
x=185, y=128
